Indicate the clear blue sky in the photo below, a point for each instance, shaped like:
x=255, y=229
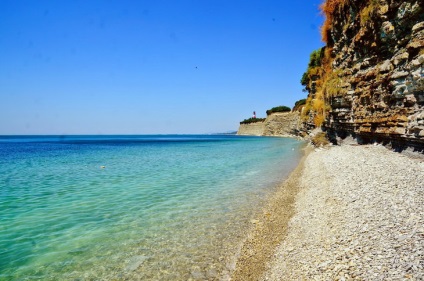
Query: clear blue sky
x=146, y=67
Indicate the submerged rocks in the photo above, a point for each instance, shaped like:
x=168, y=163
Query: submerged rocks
x=135, y=262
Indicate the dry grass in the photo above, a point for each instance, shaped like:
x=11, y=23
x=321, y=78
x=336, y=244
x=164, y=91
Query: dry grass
x=318, y=105
x=323, y=80
x=317, y=77
x=328, y=8
x=319, y=120
x=328, y=60
x=320, y=139
x=333, y=84
x=306, y=109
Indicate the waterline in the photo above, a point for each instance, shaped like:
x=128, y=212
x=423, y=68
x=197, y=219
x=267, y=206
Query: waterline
x=161, y=208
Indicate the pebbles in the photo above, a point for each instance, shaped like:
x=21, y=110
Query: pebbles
x=359, y=216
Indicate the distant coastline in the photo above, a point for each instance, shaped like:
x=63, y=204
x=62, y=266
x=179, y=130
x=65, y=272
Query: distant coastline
x=275, y=124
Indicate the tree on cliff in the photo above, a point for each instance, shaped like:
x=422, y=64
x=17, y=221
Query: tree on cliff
x=312, y=71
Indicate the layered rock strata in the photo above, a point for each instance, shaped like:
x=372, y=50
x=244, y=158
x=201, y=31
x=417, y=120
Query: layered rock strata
x=276, y=124
x=252, y=129
x=377, y=51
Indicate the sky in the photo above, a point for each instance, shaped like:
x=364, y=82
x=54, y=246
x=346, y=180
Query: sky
x=150, y=67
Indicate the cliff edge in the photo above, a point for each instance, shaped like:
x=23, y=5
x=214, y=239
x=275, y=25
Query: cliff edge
x=276, y=124
x=368, y=81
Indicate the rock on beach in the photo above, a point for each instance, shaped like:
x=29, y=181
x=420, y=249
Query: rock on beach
x=359, y=215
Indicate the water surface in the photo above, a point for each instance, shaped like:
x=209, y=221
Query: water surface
x=159, y=207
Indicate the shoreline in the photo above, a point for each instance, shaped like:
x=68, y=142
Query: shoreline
x=345, y=213
x=269, y=226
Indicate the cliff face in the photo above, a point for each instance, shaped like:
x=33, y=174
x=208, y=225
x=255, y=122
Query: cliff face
x=372, y=78
x=252, y=129
x=282, y=124
x=276, y=124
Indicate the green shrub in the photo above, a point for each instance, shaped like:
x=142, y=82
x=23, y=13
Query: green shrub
x=314, y=66
x=315, y=57
x=252, y=120
x=333, y=84
x=278, y=109
x=305, y=79
x=298, y=104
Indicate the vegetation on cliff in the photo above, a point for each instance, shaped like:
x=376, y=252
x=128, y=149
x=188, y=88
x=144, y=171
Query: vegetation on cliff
x=314, y=82
x=313, y=72
x=299, y=105
x=252, y=120
x=281, y=108
x=368, y=78
x=328, y=9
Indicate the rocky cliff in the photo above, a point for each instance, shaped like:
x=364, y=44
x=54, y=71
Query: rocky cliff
x=369, y=82
x=252, y=129
x=276, y=124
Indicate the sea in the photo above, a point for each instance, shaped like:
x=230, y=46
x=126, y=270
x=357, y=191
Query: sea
x=142, y=207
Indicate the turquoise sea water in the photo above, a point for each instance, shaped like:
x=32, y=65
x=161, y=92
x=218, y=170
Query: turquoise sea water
x=132, y=207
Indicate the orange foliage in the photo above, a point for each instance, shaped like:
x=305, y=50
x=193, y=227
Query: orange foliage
x=319, y=120
x=324, y=82
x=327, y=60
x=328, y=7
x=318, y=105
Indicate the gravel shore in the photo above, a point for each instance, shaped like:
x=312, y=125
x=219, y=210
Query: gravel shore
x=359, y=215
x=268, y=228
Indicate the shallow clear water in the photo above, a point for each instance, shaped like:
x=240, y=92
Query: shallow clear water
x=132, y=207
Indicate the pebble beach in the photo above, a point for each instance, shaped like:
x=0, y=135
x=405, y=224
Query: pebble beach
x=357, y=213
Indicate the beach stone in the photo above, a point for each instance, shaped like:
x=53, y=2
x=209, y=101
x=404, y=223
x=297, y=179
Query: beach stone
x=359, y=216
x=135, y=263
x=212, y=273
x=197, y=274
x=386, y=66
